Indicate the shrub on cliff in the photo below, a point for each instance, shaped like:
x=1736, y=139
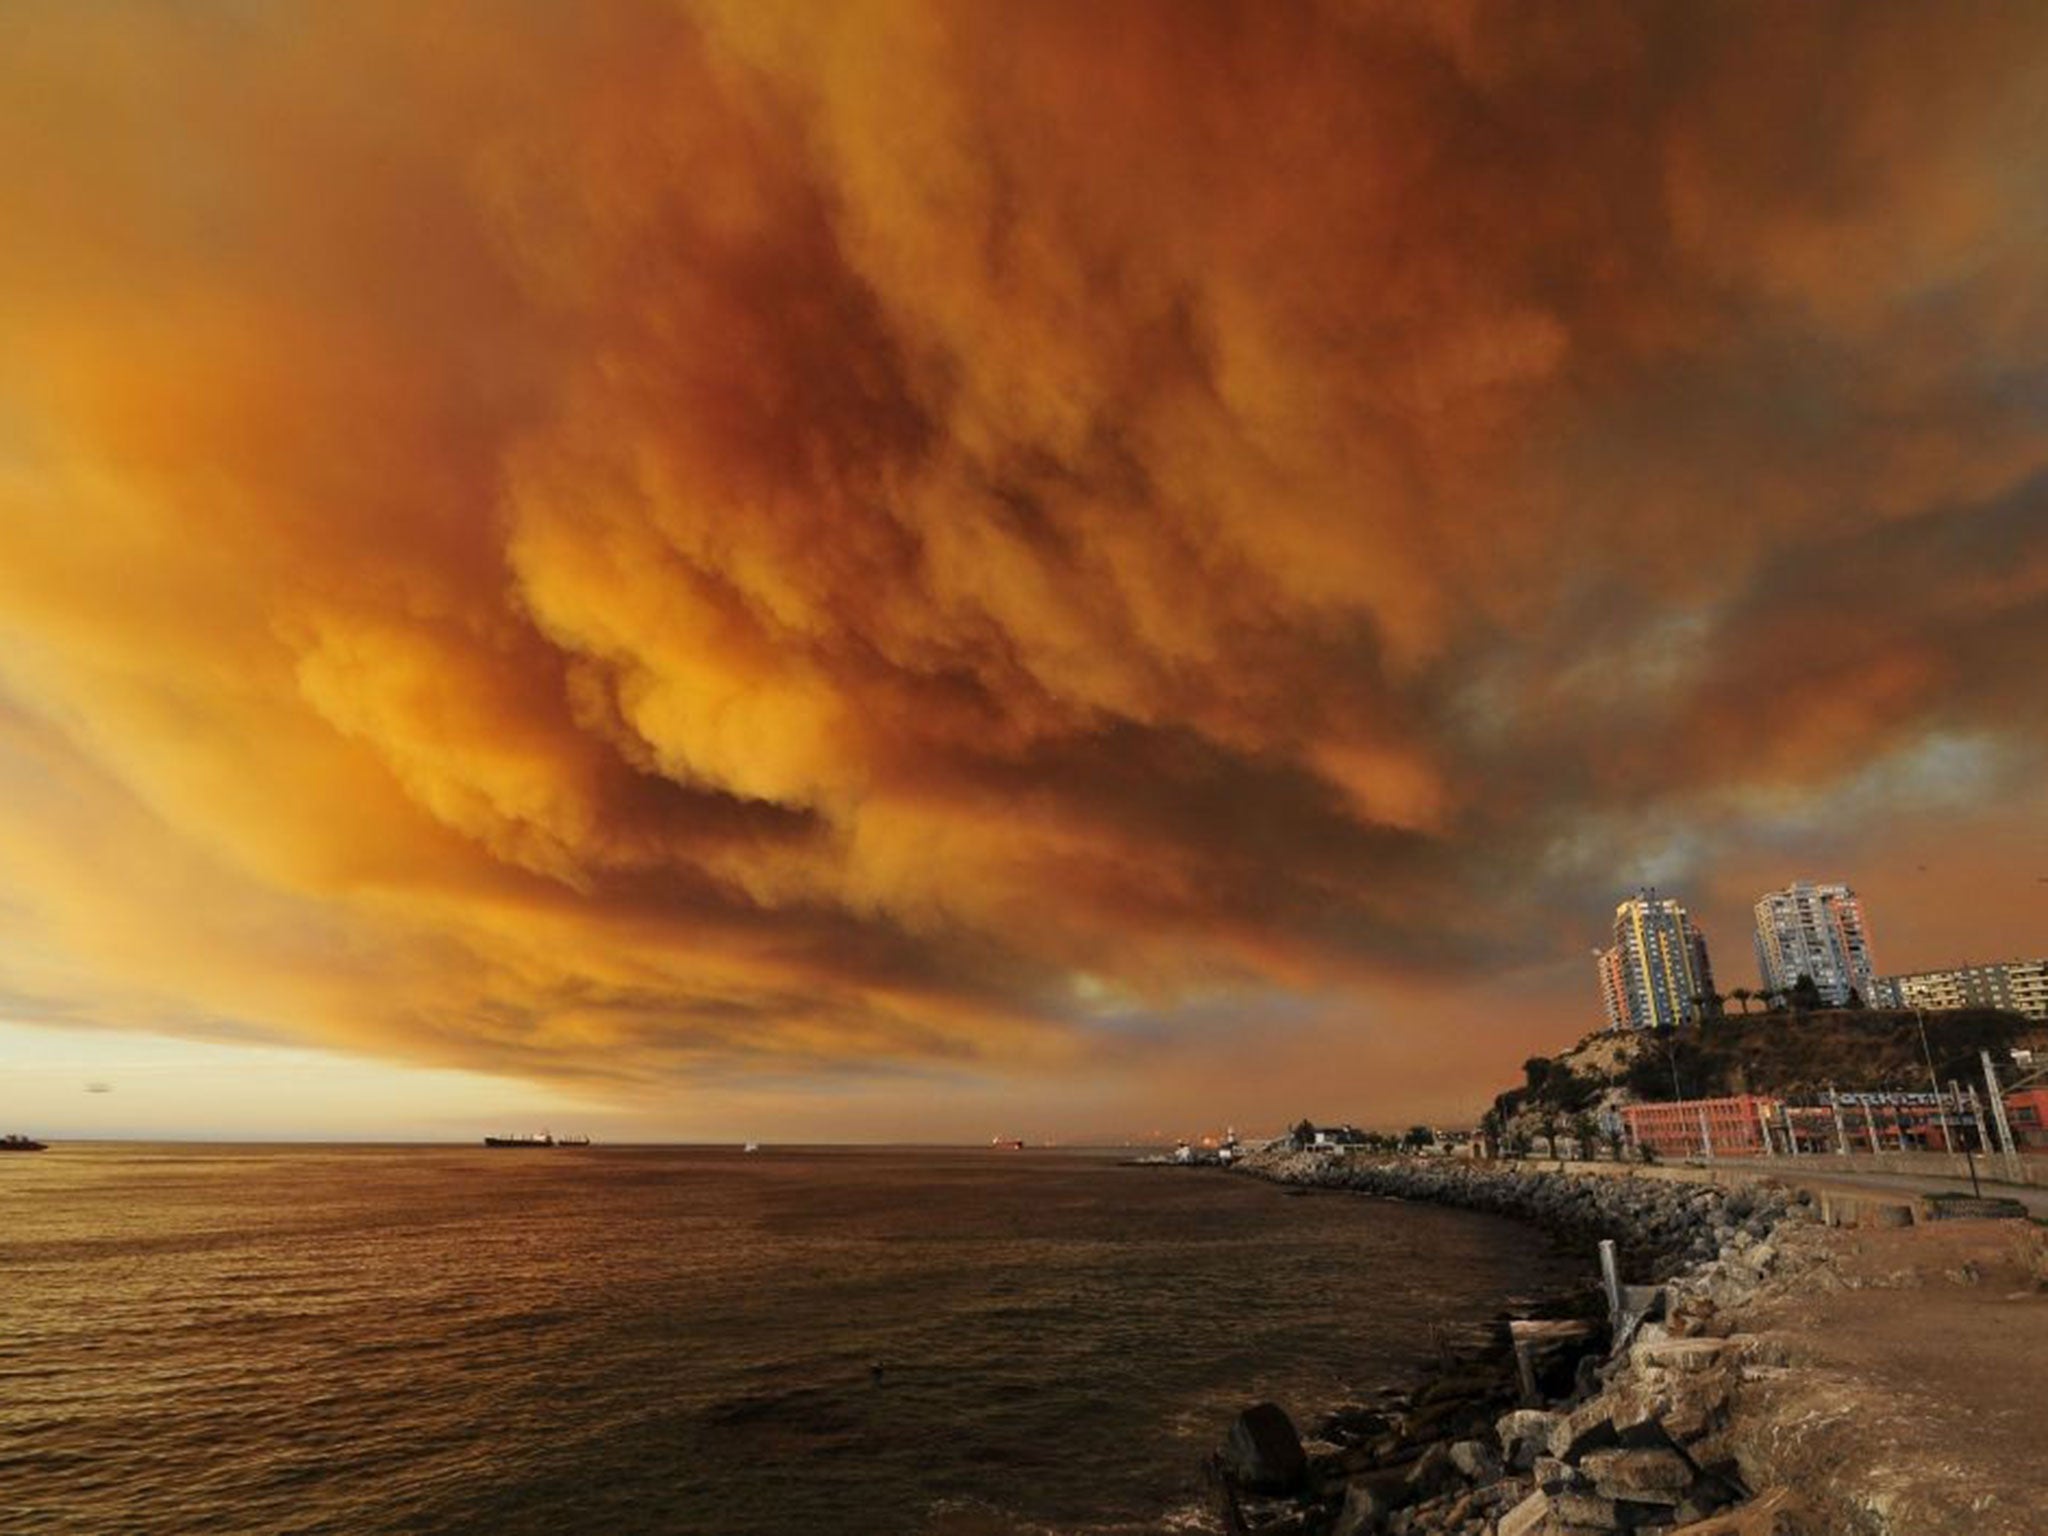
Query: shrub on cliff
x=1798, y=1056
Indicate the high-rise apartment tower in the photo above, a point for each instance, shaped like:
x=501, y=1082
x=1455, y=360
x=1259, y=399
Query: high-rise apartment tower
x=1656, y=973
x=1817, y=931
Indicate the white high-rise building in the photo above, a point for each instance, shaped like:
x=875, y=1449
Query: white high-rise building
x=1817, y=931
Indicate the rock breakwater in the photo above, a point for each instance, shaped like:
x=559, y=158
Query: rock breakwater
x=1660, y=1226
x=1565, y=1426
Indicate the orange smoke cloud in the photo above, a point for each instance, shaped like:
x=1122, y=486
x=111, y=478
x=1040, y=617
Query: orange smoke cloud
x=724, y=537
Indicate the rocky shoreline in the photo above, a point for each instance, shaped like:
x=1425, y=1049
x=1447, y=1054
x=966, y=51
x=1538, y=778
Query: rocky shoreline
x=1586, y=1418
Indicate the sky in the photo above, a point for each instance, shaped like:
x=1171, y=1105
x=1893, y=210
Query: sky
x=920, y=571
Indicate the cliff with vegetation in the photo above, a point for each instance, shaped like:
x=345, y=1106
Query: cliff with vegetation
x=1792, y=1054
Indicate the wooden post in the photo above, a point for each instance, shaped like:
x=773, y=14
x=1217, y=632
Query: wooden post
x=1610, y=1276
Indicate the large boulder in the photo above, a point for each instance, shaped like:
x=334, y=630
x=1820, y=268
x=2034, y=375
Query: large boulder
x=1527, y=1518
x=1650, y=1476
x=1364, y=1512
x=1774, y=1512
x=1476, y=1461
x=1698, y=1353
x=1588, y=1427
x=1588, y=1510
x=1524, y=1435
x=1263, y=1451
x=1433, y=1474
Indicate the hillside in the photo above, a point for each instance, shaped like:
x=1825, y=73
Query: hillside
x=1785, y=1054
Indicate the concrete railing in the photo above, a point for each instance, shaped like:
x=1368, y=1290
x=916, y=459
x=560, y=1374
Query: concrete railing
x=1992, y=1167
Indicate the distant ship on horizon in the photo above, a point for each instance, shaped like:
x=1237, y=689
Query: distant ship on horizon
x=21, y=1144
x=542, y=1139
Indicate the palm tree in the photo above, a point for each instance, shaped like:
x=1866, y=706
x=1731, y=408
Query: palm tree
x=1742, y=995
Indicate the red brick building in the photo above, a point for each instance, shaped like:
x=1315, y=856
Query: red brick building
x=1729, y=1127
x=2027, y=1113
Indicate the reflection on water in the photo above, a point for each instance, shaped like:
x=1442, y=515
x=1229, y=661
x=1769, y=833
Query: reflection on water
x=385, y=1340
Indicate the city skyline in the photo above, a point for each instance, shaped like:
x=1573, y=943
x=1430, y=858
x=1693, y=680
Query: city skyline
x=715, y=570
x=1658, y=971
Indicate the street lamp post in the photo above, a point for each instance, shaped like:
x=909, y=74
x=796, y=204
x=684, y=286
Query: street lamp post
x=1920, y=1022
x=1969, y=1152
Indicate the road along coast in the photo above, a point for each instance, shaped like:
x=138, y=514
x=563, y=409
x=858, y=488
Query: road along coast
x=1788, y=1362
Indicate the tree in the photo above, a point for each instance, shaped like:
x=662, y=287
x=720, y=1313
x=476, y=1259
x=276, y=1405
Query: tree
x=1419, y=1136
x=1742, y=995
x=1855, y=1000
x=1569, y=1091
x=1302, y=1134
x=1956, y=1036
x=1665, y=1066
x=1537, y=1070
x=1806, y=995
x=1583, y=1132
x=1489, y=1133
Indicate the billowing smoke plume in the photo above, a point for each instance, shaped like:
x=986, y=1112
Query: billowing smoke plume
x=622, y=539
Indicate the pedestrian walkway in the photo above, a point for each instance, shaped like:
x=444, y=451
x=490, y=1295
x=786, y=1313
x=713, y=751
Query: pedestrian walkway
x=1814, y=1173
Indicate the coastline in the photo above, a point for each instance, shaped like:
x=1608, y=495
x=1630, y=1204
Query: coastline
x=1751, y=1393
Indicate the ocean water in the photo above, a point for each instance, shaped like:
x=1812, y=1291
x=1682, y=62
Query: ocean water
x=435, y=1340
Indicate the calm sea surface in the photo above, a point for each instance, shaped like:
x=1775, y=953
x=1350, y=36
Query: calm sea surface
x=387, y=1340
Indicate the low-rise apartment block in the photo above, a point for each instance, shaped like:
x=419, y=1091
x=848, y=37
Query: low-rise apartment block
x=2018, y=985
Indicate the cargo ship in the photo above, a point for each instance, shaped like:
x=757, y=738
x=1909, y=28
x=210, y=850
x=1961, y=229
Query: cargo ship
x=544, y=1139
x=21, y=1144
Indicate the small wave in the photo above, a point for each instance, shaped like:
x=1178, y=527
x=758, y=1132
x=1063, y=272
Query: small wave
x=800, y=1410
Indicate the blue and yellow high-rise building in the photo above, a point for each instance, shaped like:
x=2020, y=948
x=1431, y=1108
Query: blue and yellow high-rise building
x=1656, y=974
